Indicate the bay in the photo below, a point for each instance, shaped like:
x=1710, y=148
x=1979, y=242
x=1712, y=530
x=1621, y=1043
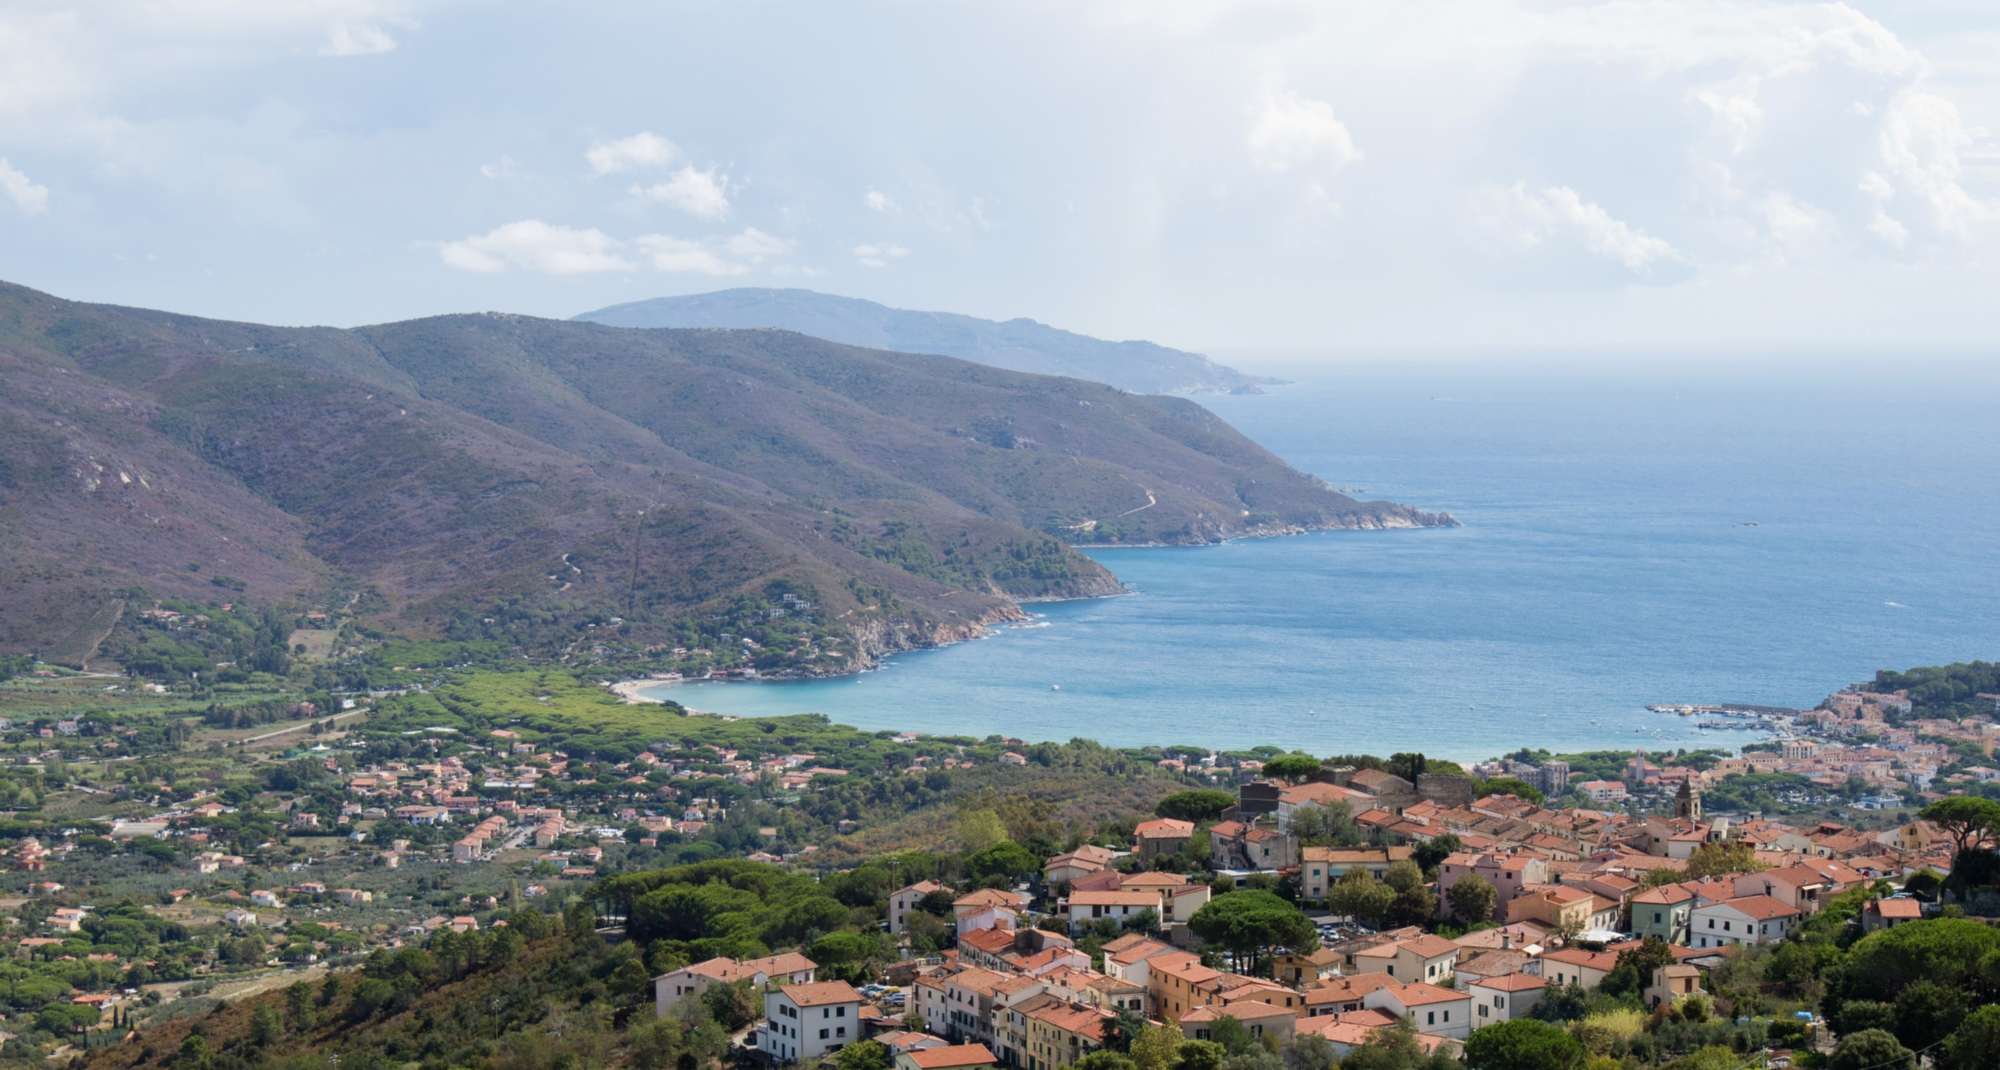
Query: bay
x=1632, y=536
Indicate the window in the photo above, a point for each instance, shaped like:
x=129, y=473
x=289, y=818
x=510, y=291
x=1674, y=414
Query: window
x=1656, y=917
x=840, y=1012
x=1431, y=1018
x=822, y=1034
x=842, y=1031
x=1711, y=923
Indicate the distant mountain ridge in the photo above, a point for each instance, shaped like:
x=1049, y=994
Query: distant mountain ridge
x=1021, y=345
x=510, y=478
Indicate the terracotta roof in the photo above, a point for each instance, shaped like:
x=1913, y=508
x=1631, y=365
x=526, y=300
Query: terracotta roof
x=1114, y=899
x=1074, y=1018
x=788, y=962
x=823, y=993
x=1576, y=956
x=1248, y=1010
x=1165, y=827
x=955, y=1055
x=1895, y=908
x=1761, y=907
x=1420, y=993
x=991, y=941
x=989, y=897
x=1430, y=946
x=1142, y=948
x=1511, y=982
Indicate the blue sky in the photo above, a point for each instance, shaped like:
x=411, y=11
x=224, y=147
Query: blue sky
x=1234, y=177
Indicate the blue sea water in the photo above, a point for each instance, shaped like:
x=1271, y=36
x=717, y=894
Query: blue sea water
x=1631, y=537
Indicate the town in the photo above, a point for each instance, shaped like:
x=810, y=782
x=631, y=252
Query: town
x=833, y=895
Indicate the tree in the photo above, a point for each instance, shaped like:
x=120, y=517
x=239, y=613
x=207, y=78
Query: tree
x=1472, y=898
x=1927, y=1012
x=1196, y=806
x=1123, y=1030
x=1976, y=1044
x=1924, y=884
x=1561, y=1003
x=265, y=1027
x=1324, y=825
x=1409, y=766
x=62, y=1018
x=1104, y=1060
x=1250, y=922
x=1293, y=767
x=1416, y=906
x=1431, y=853
x=864, y=1055
x=1359, y=895
x=1945, y=950
x=1202, y=1055
x=299, y=1006
x=1156, y=1048
x=1233, y=1035
x=731, y=1005
x=835, y=948
x=1968, y=820
x=979, y=829
x=1310, y=1051
x=1145, y=921
x=1871, y=1049
x=1006, y=859
x=1721, y=859
x=1403, y=875
x=1523, y=1044
x=1515, y=786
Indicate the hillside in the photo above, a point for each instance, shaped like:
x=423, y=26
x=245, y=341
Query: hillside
x=503, y=477
x=1020, y=345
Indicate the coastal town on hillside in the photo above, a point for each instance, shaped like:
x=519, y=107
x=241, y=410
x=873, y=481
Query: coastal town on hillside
x=163, y=863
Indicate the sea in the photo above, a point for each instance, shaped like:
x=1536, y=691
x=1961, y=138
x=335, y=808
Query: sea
x=1634, y=534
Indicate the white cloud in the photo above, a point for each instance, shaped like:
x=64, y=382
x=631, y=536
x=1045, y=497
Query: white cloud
x=1293, y=130
x=30, y=197
x=533, y=245
x=644, y=150
x=681, y=255
x=1559, y=213
x=877, y=200
x=356, y=39
x=755, y=245
x=1923, y=141
x=702, y=194
x=878, y=254
x=503, y=169
x=1789, y=219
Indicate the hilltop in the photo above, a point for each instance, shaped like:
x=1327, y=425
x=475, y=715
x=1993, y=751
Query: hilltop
x=501, y=477
x=1021, y=345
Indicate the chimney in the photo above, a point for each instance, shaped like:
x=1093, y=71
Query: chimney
x=1506, y=940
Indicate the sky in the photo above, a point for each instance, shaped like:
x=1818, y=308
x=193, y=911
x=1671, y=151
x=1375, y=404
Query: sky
x=1276, y=177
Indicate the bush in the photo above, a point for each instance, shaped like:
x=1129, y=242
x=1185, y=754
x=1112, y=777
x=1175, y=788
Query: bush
x=1523, y=1044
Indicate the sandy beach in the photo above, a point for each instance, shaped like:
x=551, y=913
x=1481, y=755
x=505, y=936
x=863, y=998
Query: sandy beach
x=628, y=691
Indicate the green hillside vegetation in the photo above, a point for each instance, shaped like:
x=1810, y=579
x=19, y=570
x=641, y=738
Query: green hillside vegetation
x=1946, y=690
x=582, y=492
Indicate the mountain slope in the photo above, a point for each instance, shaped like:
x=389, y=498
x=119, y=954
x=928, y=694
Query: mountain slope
x=1018, y=344
x=497, y=476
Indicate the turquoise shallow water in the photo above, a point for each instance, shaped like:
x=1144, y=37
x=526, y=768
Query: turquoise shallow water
x=1609, y=560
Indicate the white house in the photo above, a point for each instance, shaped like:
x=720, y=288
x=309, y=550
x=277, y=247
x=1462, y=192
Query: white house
x=903, y=902
x=1505, y=997
x=1752, y=919
x=1437, y=1011
x=809, y=1021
